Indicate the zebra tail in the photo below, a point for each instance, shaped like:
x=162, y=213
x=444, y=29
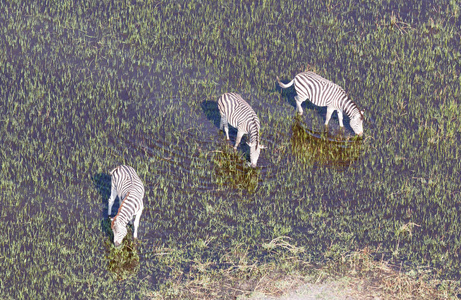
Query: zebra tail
x=282, y=85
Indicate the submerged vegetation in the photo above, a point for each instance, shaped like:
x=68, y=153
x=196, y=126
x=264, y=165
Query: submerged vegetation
x=123, y=261
x=233, y=171
x=323, y=148
x=89, y=85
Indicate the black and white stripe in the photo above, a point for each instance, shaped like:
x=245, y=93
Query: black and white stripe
x=323, y=92
x=127, y=185
x=239, y=114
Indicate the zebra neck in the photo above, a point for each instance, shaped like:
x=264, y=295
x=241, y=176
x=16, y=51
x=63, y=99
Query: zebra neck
x=254, y=139
x=122, y=214
x=350, y=108
x=253, y=132
x=121, y=218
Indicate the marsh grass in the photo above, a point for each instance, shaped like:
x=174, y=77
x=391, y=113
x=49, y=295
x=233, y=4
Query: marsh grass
x=232, y=170
x=85, y=87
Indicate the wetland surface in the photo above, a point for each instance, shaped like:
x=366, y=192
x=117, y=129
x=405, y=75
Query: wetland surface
x=88, y=85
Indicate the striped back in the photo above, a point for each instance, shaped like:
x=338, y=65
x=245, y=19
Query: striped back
x=129, y=188
x=239, y=114
x=323, y=92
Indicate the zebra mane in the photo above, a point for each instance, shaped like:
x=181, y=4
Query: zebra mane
x=357, y=107
x=119, y=209
x=257, y=132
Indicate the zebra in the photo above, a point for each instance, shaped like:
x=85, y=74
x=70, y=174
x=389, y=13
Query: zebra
x=322, y=92
x=130, y=190
x=239, y=114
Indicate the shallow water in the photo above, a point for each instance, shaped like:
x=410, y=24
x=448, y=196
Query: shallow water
x=141, y=89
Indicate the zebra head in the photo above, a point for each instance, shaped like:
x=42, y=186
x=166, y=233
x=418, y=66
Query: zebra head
x=357, y=123
x=255, y=150
x=119, y=231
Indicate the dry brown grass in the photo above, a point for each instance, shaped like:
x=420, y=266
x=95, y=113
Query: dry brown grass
x=356, y=275
x=383, y=280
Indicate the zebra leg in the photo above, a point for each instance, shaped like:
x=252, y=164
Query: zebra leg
x=298, y=105
x=340, y=118
x=136, y=224
x=221, y=123
x=240, y=133
x=224, y=126
x=330, y=111
x=113, y=195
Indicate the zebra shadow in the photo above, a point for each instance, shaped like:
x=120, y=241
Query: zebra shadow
x=211, y=111
x=102, y=183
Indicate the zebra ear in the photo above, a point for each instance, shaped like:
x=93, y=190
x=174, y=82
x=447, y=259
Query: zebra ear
x=262, y=146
